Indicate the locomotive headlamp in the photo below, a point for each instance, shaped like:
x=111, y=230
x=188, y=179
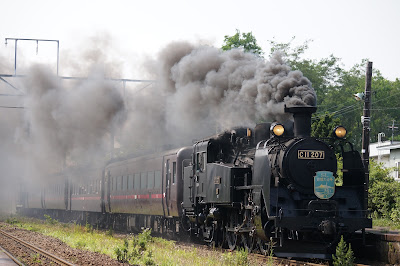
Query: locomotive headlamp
x=277, y=130
x=340, y=132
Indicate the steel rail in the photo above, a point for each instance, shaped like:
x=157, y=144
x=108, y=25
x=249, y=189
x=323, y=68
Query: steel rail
x=284, y=261
x=11, y=257
x=39, y=250
x=268, y=258
x=293, y=262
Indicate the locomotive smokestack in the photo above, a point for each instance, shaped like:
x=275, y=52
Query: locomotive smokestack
x=302, y=119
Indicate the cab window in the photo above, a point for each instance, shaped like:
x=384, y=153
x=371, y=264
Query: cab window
x=201, y=161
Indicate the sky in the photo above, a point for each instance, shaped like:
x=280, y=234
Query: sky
x=351, y=29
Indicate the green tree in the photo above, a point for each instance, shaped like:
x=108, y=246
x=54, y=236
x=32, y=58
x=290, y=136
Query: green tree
x=335, y=87
x=242, y=40
x=384, y=191
x=344, y=255
x=395, y=214
x=323, y=125
x=379, y=173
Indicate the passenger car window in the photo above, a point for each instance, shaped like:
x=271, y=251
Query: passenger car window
x=150, y=180
x=143, y=180
x=130, y=182
x=173, y=172
x=137, y=181
x=157, y=182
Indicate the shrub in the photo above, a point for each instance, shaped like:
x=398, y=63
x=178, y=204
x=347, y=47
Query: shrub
x=138, y=252
x=110, y=232
x=384, y=192
x=122, y=253
x=395, y=215
x=270, y=260
x=239, y=257
x=344, y=255
x=50, y=220
x=89, y=228
x=12, y=221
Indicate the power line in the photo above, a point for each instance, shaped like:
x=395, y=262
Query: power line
x=347, y=109
x=9, y=84
x=339, y=112
x=388, y=108
x=343, y=109
x=387, y=97
x=15, y=95
x=12, y=107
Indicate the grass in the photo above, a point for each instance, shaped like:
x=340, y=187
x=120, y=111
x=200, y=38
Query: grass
x=385, y=222
x=144, y=250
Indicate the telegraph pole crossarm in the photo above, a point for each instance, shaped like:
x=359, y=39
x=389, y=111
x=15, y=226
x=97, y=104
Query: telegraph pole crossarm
x=393, y=127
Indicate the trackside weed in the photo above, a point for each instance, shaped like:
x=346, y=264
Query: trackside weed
x=344, y=255
x=239, y=258
x=138, y=252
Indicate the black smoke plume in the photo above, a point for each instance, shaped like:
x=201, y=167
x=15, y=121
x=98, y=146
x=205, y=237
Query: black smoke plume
x=201, y=90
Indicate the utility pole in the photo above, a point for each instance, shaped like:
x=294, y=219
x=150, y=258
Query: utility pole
x=366, y=119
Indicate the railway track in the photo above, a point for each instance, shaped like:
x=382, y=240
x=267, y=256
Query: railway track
x=282, y=261
x=54, y=259
x=7, y=259
x=265, y=259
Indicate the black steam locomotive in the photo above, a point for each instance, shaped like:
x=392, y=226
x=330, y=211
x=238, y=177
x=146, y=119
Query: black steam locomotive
x=271, y=186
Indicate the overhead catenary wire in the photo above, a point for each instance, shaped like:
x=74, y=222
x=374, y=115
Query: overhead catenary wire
x=13, y=107
x=9, y=84
x=11, y=95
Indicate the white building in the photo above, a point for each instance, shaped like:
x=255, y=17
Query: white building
x=388, y=153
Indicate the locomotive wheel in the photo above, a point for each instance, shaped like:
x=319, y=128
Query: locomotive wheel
x=185, y=224
x=219, y=236
x=248, y=242
x=263, y=246
x=231, y=236
x=211, y=235
x=231, y=239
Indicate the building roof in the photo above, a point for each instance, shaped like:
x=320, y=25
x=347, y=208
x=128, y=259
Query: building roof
x=388, y=145
x=382, y=148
